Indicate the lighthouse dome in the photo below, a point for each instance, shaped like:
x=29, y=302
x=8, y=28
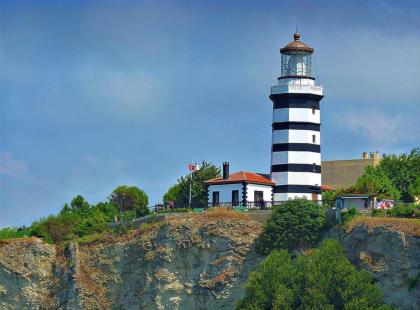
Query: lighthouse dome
x=296, y=46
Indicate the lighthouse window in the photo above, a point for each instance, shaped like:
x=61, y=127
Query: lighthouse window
x=313, y=139
x=313, y=110
x=314, y=167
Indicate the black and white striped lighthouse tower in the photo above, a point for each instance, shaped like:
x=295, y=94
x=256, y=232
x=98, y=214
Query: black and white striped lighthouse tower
x=296, y=141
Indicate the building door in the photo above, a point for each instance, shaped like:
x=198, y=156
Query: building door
x=235, y=198
x=215, y=199
x=314, y=196
x=259, y=199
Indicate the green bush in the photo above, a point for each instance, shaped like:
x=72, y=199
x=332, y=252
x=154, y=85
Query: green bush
x=400, y=210
x=323, y=280
x=9, y=233
x=346, y=216
x=176, y=210
x=293, y=224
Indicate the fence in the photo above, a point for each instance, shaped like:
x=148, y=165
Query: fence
x=258, y=205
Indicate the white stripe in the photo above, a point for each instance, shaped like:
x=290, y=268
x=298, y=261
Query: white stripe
x=287, y=196
x=278, y=158
x=296, y=136
x=296, y=115
x=296, y=178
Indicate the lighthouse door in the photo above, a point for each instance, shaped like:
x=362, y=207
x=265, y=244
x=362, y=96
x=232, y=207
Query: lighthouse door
x=314, y=196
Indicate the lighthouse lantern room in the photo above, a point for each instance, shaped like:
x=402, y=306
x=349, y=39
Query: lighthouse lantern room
x=296, y=141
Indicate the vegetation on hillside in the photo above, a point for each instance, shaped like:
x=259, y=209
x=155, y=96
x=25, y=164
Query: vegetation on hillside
x=408, y=226
x=294, y=224
x=325, y=279
x=400, y=210
x=179, y=192
x=80, y=219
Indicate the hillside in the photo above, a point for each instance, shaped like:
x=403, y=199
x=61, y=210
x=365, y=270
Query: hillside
x=195, y=261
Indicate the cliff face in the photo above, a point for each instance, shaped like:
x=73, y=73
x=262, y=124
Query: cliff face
x=394, y=259
x=193, y=262
x=188, y=262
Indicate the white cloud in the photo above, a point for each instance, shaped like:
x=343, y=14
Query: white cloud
x=380, y=128
x=10, y=166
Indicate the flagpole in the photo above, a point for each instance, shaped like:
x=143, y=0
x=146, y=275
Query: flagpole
x=191, y=174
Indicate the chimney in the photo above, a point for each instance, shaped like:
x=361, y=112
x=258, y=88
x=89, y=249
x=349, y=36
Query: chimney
x=365, y=155
x=371, y=155
x=225, y=170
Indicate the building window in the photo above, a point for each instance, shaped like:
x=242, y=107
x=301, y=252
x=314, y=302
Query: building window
x=313, y=110
x=216, y=199
x=313, y=139
x=235, y=198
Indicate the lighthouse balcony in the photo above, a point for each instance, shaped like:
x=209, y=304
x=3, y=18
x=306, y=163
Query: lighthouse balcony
x=297, y=89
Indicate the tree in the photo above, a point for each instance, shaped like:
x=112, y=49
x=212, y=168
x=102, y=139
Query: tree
x=402, y=170
x=414, y=189
x=180, y=192
x=323, y=280
x=375, y=182
x=293, y=224
x=130, y=198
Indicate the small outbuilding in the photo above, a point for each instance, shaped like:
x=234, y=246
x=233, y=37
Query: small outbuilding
x=240, y=189
x=357, y=201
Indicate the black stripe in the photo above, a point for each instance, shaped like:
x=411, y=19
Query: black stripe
x=296, y=105
x=297, y=126
x=290, y=100
x=297, y=189
x=296, y=168
x=300, y=147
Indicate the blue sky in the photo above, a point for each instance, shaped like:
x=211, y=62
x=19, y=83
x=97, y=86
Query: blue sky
x=95, y=94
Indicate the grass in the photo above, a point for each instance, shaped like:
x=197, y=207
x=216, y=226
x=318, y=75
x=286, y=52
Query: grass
x=408, y=226
x=90, y=238
x=222, y=213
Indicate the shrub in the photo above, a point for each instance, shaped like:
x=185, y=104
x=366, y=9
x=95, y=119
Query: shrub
x=177, y=210
x=293, y=224
x=400, y=210
x=346, y=216
x=9, y=233
x=323, y=280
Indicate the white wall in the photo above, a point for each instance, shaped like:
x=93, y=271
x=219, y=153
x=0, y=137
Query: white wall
x=298, y=178
x=296, y=115
x=295, y=157
x=225, y=192
x=296, y=136
x=287, y=196
x=251, y=188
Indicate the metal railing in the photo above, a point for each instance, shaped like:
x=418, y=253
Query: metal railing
x=258, y=205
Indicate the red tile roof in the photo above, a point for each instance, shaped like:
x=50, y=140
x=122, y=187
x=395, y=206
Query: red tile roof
x=327, y=188
x=239, y=177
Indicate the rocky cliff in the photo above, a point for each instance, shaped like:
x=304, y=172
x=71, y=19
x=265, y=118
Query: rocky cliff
x=390, y=249
x=188, y=262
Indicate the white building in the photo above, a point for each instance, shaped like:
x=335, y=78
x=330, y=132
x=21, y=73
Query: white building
x=296, y=140
x=247, y=189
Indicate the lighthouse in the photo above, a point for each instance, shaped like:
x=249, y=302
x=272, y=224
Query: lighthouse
x=296, y=140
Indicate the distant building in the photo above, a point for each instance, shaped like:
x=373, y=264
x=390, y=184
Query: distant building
x=344, y=173
x=247, y=189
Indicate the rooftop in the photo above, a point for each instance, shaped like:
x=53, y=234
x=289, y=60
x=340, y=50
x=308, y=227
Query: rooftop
x=239, y=177
x=296, y=46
